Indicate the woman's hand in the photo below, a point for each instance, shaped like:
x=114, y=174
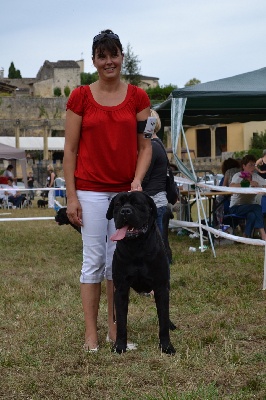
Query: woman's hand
x=136, y=185
x=254, y=184
x=74, y=212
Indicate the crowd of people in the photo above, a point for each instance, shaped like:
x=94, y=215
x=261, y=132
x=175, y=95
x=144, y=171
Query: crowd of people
x=243, y=205
x=10, y=193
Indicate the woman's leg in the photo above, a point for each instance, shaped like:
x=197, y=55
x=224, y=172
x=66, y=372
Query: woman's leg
x=259, y=222
x=90, y=296
x=94, y=237
x=110, y=248
x=253, y=215
x=51, y=199
x=159, y=219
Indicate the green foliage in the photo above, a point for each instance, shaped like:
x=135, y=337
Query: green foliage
x=259, y=141
x=67, y=91
x=57, y=91
x=14, y=73
x=131, y=68
x=87, y=78
x=57, y=113
x=239, y=154
x=160, y=93
x=193, y=81
x=43, y=112
x=258, y=144
x=257, y=153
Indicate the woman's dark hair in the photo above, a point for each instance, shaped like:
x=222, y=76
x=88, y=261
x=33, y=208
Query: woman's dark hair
x=246, y=159
x=106, y=40
x=228, y=164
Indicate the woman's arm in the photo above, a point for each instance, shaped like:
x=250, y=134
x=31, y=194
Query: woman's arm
x=226, y=180
x=72, y=136
x=259, y=162
x=144, y=153
x=52, y=178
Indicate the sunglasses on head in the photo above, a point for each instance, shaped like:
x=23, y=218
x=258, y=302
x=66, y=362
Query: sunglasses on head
x=102, y=35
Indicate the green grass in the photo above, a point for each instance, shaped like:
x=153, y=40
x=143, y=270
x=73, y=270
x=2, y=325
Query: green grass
x=217, y=304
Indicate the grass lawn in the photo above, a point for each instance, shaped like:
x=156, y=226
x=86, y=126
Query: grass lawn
x=217, y=304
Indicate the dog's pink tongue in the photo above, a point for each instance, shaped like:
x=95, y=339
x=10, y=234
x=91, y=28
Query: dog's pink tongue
x=119, y=234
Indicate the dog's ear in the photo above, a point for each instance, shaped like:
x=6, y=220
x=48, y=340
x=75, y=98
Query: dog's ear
x=110, y=211
x=152, y=205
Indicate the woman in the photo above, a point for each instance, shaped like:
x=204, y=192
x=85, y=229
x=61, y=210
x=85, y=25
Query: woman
x=154, y=182
x=105, y=153
x=229, y=168
x=261, y=165
x=50, y=183
x=244, y=205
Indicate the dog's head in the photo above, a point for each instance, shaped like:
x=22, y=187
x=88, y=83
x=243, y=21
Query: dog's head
x=133, y=213
x=61, y=217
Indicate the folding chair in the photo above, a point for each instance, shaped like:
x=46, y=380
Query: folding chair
x=234, y=221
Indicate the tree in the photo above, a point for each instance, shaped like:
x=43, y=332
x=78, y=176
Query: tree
x=57, y=91
x=259, y=141
x=67, y=91
x=13, y=73
x=257, y=145
x=193, y=81
x=86, y=78
x=131, y=68
x=160, y=93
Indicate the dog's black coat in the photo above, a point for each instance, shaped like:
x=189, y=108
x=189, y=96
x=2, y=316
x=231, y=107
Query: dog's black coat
x=62, y=219
x=42, y=203
x=140, y=262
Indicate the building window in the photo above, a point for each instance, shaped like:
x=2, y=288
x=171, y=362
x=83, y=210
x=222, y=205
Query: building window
x=220, y=140
x=203, y=142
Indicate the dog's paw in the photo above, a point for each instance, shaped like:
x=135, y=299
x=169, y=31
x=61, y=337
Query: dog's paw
x=118, y=349
x=168, y=349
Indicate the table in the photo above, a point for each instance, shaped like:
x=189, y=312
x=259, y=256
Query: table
x=211, y=196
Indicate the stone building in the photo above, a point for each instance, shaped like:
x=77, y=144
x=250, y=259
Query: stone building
x=60, y=74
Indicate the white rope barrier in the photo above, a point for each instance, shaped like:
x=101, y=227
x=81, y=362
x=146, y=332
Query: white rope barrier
x=22, y=189
x=25, y=219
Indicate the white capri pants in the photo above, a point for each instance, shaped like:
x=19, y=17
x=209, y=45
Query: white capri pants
x=98, y=249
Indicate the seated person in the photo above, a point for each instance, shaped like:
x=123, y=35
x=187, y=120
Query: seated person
x=244, y=205
x=229, y=168
x=12, y=193
x=8, y=173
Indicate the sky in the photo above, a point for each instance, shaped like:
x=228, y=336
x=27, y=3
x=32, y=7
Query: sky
x=174, y=40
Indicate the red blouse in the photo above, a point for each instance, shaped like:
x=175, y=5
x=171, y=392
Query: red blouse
x=107, y=152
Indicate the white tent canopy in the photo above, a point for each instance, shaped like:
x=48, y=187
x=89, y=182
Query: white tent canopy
x=34, y=143
x=12, y=153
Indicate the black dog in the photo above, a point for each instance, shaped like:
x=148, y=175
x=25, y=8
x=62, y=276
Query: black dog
x=62, y=219
x=140, y=262
x=42, y=203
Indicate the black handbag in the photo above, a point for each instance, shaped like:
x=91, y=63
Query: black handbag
x=172, y=191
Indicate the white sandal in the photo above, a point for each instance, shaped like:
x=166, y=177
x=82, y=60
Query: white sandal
x=88, y=350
